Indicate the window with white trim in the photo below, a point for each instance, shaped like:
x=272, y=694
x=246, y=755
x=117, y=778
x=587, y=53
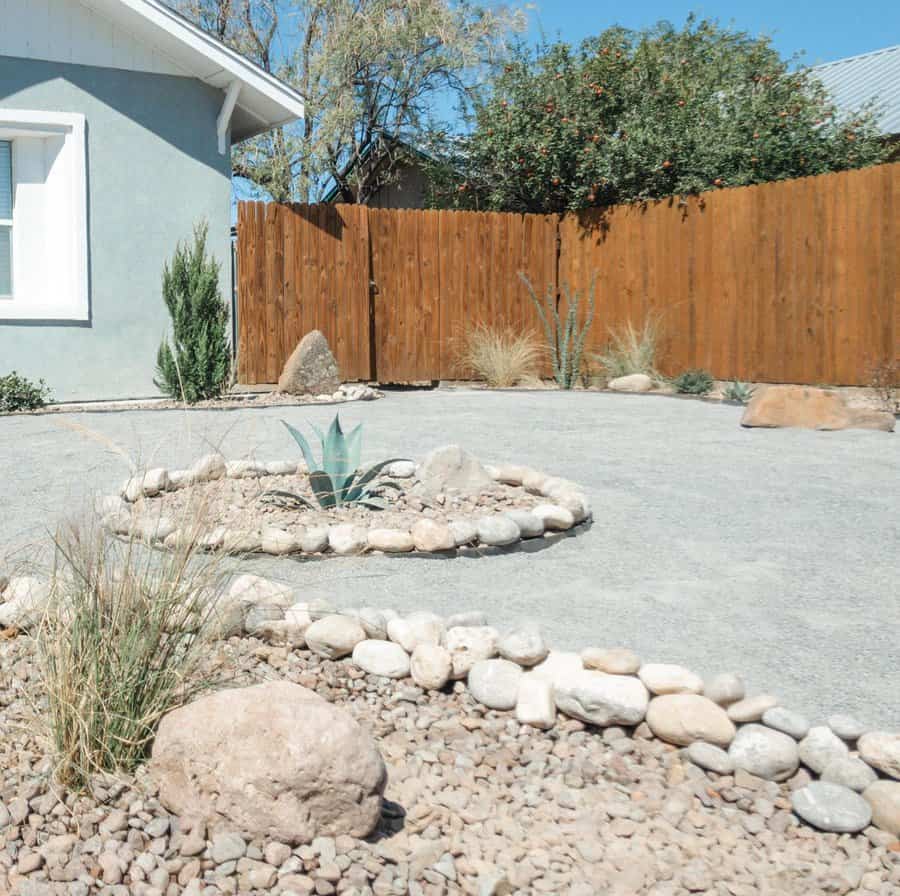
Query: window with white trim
x=6, y=219
x=43, y=216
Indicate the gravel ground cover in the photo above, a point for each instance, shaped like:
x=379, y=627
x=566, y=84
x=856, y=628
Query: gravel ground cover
x=772, y=552
x=476, y=803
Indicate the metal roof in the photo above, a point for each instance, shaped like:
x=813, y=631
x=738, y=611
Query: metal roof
x=856, y=80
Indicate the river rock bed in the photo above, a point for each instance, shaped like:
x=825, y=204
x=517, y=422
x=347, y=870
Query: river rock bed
x=477, y=803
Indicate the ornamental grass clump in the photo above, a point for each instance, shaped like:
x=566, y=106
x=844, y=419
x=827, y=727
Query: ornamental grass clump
x=120, y=645
x=197, y=364
x=565, y=329
x=632, y=349
x=500, y=355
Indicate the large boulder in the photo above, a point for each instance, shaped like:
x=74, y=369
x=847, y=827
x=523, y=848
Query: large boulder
x=809, y=408
x=451, y=468
x=274, y=760
x=311, y=368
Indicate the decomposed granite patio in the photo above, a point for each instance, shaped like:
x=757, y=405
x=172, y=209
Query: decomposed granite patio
x=774, y=554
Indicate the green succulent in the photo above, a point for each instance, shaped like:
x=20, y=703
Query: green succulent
x=738, y=391
x=694, y=382
x=337, y=480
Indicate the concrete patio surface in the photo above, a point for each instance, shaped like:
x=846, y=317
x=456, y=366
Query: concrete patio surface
x=774, y=554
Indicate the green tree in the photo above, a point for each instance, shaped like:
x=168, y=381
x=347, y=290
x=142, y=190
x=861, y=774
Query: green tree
x=371, y=73
x=197, y=364
x=640, y=115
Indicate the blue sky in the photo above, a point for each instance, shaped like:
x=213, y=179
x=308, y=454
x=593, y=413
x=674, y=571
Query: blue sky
x=825, y=29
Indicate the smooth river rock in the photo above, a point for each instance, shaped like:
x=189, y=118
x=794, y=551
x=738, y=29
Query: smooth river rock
x=430, y=666
x=724, y=689
x=523, y=645
x=764, y=752
x=884, y=799
x=497, y=530
x=821, y=747
x=684, y=718
x=470, y=644
x=334, y=636
x=830, y=807
x=667, y=678
x=602, y=699
x=615, y=661
x=882, y=751
x=495, y=683
x=384, y=658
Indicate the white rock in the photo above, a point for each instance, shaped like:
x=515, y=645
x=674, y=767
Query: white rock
x=155, y=481
x=554, y=517
x=558, y=667
x=374, y=622
x=277, y=541
x=236, y=541
x=533, y=482
x=298, y=615
x=821, y=747
x=430, y=666
x=179, y=479
x=280, y=468
x=497, y=530
x=402, y=469
x=431, y=536
x=334, y=636
x=530, y=525
x=724, y=689
x=463, y=531
x=391, y=541
x=831, y=807
x=576, y=503
x=710, y=757
x=684, y=718
x=409, y=633
x=495, y=683
x=25, y=600
x=846, y=727
x=751, y=709
x=785, y=720
x=884, y=799
x=313, y=540
x=133, y=489
x=615, y=661
x=632, y=382
x=450, y=468
x=469, y=645
x=244, y=469
x=535, y=705
x=212, y=540
x=510, y=474
x=208, y=468
x=849, y=772
x=882, y=751
x=153, y=529
x=384, y=658
x=253, y=590
x=764, y=752
x=667, y=678
x=523, y=645
x=345, y=539
x=602, y=699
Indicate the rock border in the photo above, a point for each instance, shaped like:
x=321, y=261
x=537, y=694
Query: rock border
x=566, y=509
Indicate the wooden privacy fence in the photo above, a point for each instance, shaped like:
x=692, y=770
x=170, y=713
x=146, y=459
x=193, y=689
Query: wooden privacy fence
x=795, y=281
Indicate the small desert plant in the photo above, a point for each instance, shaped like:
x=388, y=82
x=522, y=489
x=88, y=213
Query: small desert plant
x=197, y=364
x=18, y=393
x=631, y=349
x=501, y=356
x=884, y=380
x=120, y=645
x=565, y=332
x=694, y=382
x=337, y=480
x=738, y=391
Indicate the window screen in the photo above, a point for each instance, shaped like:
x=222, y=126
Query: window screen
x=6, y=196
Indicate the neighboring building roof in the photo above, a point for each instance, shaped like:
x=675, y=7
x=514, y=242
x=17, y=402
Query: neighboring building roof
x=263, y=102
x=857, y=80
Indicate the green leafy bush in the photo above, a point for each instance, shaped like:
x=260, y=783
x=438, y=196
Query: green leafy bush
x=565, y=331
x=198, y=363
x=337, y=481
x=18, y=393
x=694, y=382
x=738, y=391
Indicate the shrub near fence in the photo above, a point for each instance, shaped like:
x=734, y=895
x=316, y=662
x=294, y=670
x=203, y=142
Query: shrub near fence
x=795, y=281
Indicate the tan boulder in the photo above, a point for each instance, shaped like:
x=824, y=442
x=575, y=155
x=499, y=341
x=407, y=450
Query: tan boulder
x=884, y=798
x=685, y=718
x=809, y=408
x=311, y=368
x=274, y=760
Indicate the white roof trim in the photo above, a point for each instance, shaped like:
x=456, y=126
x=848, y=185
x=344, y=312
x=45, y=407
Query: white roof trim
x=266, y=101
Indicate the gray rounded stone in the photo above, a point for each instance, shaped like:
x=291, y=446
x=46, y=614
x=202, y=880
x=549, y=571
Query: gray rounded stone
x=820, y=748
x=850, y=772
x=523, y=645
x=530, y=525
x=830, y=807
x=846, y=727
x=384, y=658
x=724, y=689
x=710, y=757
x=497, y=531
x=764, y=752
x=495, y=683
x=785, y=720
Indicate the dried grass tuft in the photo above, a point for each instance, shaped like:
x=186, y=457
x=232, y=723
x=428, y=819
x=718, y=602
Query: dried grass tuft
x=500, y=355
x=632, y=349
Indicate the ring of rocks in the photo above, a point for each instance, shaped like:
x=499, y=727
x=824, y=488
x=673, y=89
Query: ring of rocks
x=561, y=507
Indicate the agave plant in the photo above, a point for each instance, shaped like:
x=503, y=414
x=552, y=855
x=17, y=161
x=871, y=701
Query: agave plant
x=337, y=480
x=739, y=392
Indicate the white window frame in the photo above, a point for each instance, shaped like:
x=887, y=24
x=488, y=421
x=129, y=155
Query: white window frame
x=74, y=305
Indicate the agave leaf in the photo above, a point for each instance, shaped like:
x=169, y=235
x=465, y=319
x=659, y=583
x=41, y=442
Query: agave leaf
x=356, y=492
x=321, y=436
x=354, y=448
x=300, y=439
x=323, y=487
x=389, y=483
x=276, y=496
x=373, y=502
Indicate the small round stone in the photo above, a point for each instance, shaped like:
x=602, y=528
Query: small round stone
x=384, y=658
x=850, y=772
x=667, y=678
x=846, y=727
x=710, y=757
x=830, y=807
x=764, y=752
x=884, y=799
x=684, y=718
x=495, y=683
x=751, y=709
x=614, y=661
x=882, y=751
x=724, y=689
x=430, y=666
x=782, y=719
x=820, y=748
x=497, y=531
x=523, y=645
